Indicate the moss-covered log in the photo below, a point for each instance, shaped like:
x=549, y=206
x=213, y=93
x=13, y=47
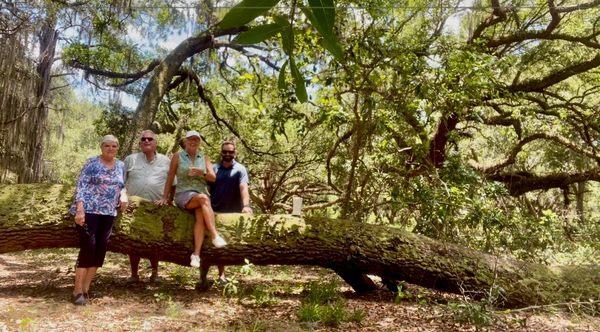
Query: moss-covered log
x=35, y=216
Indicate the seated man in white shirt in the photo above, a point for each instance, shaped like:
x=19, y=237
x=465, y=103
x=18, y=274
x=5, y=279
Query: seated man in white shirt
x=146, y=177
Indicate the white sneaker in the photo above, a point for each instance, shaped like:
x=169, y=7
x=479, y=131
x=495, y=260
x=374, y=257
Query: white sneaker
x=218, y=242
x=195, y=260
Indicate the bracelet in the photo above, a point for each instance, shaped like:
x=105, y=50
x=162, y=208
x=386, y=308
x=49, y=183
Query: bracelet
x=247, y=205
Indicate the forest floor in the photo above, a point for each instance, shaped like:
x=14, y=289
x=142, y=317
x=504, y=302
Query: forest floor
x=35, y=288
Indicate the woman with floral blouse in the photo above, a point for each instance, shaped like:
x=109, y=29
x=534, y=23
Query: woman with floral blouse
x=98, y=194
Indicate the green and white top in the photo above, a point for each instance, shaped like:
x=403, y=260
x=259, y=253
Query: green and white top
x=186, y=182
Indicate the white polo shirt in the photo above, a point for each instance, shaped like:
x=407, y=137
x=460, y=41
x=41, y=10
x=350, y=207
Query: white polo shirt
x=146, y=178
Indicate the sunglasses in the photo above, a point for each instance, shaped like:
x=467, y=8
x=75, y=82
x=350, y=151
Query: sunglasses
x=227, y=152
x=146, y=139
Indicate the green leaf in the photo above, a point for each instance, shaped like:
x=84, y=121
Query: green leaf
x=324, y=13
x=287, y=35
x=322, y=19
x=300, y=88
x=245, y=11
x=258, y=34
x=281, y=79
x=331, y=44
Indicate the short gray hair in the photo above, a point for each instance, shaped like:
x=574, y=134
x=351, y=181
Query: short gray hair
x=148, y=131
x=109, y=138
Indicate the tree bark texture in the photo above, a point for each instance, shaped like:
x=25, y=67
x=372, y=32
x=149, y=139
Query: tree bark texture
x=34, y=216
x=48, y=38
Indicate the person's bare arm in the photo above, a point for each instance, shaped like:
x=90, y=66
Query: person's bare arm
x=209, y=176
x=80, y=214
x=245, y=193
x=170, y=178
x=124, y=200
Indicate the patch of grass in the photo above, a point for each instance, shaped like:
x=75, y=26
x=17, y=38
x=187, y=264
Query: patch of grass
x=26, y=324
x=309, y=312
x=171, y=308
x=357, y=316
x=183, y=275
x=248, y=268
x=333, y=315
x=474, y=313
x=263, y=297
x=254, y=326
x=174, y=310
x=323, y=293
x=230, y=289
x=405, y=295
x=324, y=304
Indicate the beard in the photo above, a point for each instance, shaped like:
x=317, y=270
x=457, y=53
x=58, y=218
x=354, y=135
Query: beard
x=227, y=158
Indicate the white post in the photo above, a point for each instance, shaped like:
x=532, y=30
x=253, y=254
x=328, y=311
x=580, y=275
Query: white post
x=296, y=206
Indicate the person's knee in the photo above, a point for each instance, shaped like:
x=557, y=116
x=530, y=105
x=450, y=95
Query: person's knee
x=203, y=199
x=198, y=200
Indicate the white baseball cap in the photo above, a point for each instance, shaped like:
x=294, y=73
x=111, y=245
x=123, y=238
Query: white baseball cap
x=192, y=133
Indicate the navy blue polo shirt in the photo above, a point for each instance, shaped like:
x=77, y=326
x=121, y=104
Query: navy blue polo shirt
x=225, y=192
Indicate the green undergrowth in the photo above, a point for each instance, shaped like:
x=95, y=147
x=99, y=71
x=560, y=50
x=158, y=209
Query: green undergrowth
x=323, y=304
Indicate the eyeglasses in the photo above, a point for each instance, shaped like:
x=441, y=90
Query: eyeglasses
x=146, y=139
x=227, y=152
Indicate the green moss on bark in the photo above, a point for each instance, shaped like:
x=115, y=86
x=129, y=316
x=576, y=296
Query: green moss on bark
x=34, y=216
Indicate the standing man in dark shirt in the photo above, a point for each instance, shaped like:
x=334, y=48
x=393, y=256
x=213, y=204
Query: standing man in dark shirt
x=228, y=194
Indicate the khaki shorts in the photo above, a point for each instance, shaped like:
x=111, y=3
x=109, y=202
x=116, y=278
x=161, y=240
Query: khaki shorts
x=182, y=198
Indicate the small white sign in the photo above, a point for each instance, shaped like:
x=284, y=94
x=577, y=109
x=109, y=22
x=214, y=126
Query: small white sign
x=296, y=206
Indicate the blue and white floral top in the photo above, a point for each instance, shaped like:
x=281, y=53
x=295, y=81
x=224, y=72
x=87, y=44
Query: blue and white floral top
x=99, y=188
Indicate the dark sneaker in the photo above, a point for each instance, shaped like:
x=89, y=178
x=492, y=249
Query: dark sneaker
x=203, y=286
x=79, y=299
x=222, y=282
x=132, y=280
x=155, y=279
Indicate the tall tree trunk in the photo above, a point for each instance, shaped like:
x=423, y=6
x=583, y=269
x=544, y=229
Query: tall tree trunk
x=579, y=200
x=35, y=216
x=34, y=163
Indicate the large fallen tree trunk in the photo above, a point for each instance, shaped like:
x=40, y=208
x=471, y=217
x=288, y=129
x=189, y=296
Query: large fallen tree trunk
x=35, y=216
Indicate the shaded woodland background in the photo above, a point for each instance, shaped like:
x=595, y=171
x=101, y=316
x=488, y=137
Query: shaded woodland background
x=473, y=122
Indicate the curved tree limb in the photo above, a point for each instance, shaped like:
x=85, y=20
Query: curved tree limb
x=330, y=155
x=519, y=183
x=163, y=75
x=132, y=77
x=213, y=110
x=582, y=6
x=519, y=147
x=546, y=33
x=543, y=35
x=538, y=85
x=242, y=49
x=498, y=15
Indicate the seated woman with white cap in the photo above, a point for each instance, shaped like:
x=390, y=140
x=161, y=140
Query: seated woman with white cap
x=193, y=169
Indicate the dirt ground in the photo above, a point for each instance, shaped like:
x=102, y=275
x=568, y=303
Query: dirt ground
x=35, y=288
